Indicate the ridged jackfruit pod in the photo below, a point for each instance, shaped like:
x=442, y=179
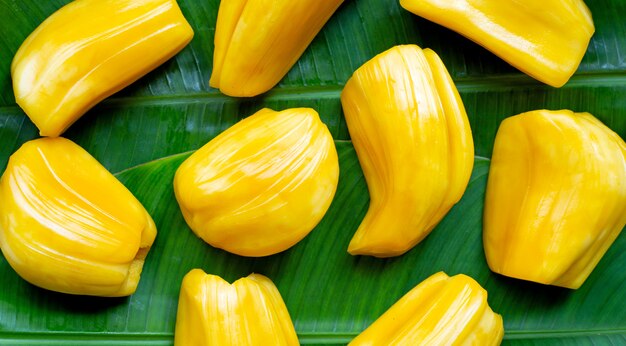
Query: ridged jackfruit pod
x=545, y=39
x=412, y=136
x=89, y=50
x=556, y=196
x=249, y=312
x=68, y=225
x=258, y=41
x=262, y=185
x=441, y=310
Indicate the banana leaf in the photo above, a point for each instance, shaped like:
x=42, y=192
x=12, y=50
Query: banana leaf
x=144, y=132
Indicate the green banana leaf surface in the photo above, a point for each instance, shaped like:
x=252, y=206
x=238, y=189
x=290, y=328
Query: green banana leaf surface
x=144, y=132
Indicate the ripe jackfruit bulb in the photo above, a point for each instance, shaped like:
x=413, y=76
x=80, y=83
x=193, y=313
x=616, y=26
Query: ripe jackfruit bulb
x=68, y=225
x=545, y=39
x=556, y=196
x=89, y=50
x=258, y=41
x=262, y=185
x=441, y=310
x=413, y=140
x=249, y=312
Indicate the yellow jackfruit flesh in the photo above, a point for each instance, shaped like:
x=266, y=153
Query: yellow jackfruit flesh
x=441, y=310
x=89, y=50
x=262, y=185
x=258, y=41
x=556, y=196
x=545, y=39
x=68, y=225
x=249, y=312
x=412, y=136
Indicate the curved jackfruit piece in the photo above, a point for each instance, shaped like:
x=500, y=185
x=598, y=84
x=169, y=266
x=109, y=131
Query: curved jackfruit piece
x=89, y=50
x=413, y=139
x=249, y=312
x=556, y=196
x=546, y=39
x=68, y=225
x=262, y=185
x=441, y=310
x=258, y=41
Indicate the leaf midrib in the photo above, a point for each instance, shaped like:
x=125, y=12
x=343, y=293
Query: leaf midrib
x=311, y=337
x=464, y=84
x=178, y=155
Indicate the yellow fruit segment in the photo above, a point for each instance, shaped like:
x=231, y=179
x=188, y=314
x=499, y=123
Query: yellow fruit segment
x=258, y=41
x=68, y=225
x=545, y=39
x=89, y=50
x=556, y=196
x=262, y=185
x=249, y=312
x=441, y=310
x=414, y=143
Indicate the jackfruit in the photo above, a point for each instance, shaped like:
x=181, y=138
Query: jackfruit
x=262, y=185
x=258, y=41
x=545, y=39
x=441, y=310
x=249, y=312
x=412, y=136
x=68, y=225
x=556, y=196
x=89, y=50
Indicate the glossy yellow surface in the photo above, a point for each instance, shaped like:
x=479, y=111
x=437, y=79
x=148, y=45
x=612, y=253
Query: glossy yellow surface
x=68, y=225
x=411, y=134
x=441, y=310
x=262, y=185
x=556, y=196
x=258, y=41
x=89, y=50
x=212, y=312
x=545, y=39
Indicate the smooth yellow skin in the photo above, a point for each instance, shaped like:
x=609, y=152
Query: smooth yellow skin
x=262, y=185
x=411, y=134
x=545, y=39
x=556, y=196
x=89, y=50
x=441, y=310
x=249, y=312
x=68, y=225
x=258, y=41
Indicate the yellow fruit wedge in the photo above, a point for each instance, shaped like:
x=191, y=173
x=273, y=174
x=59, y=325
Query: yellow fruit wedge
x=89, y=50
x=545, y=39
x=262, y=185
x=441, y=310
x=414, y=143
x=258, y=41
x=556, y=196
x=68, y=225
x=212, y=312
